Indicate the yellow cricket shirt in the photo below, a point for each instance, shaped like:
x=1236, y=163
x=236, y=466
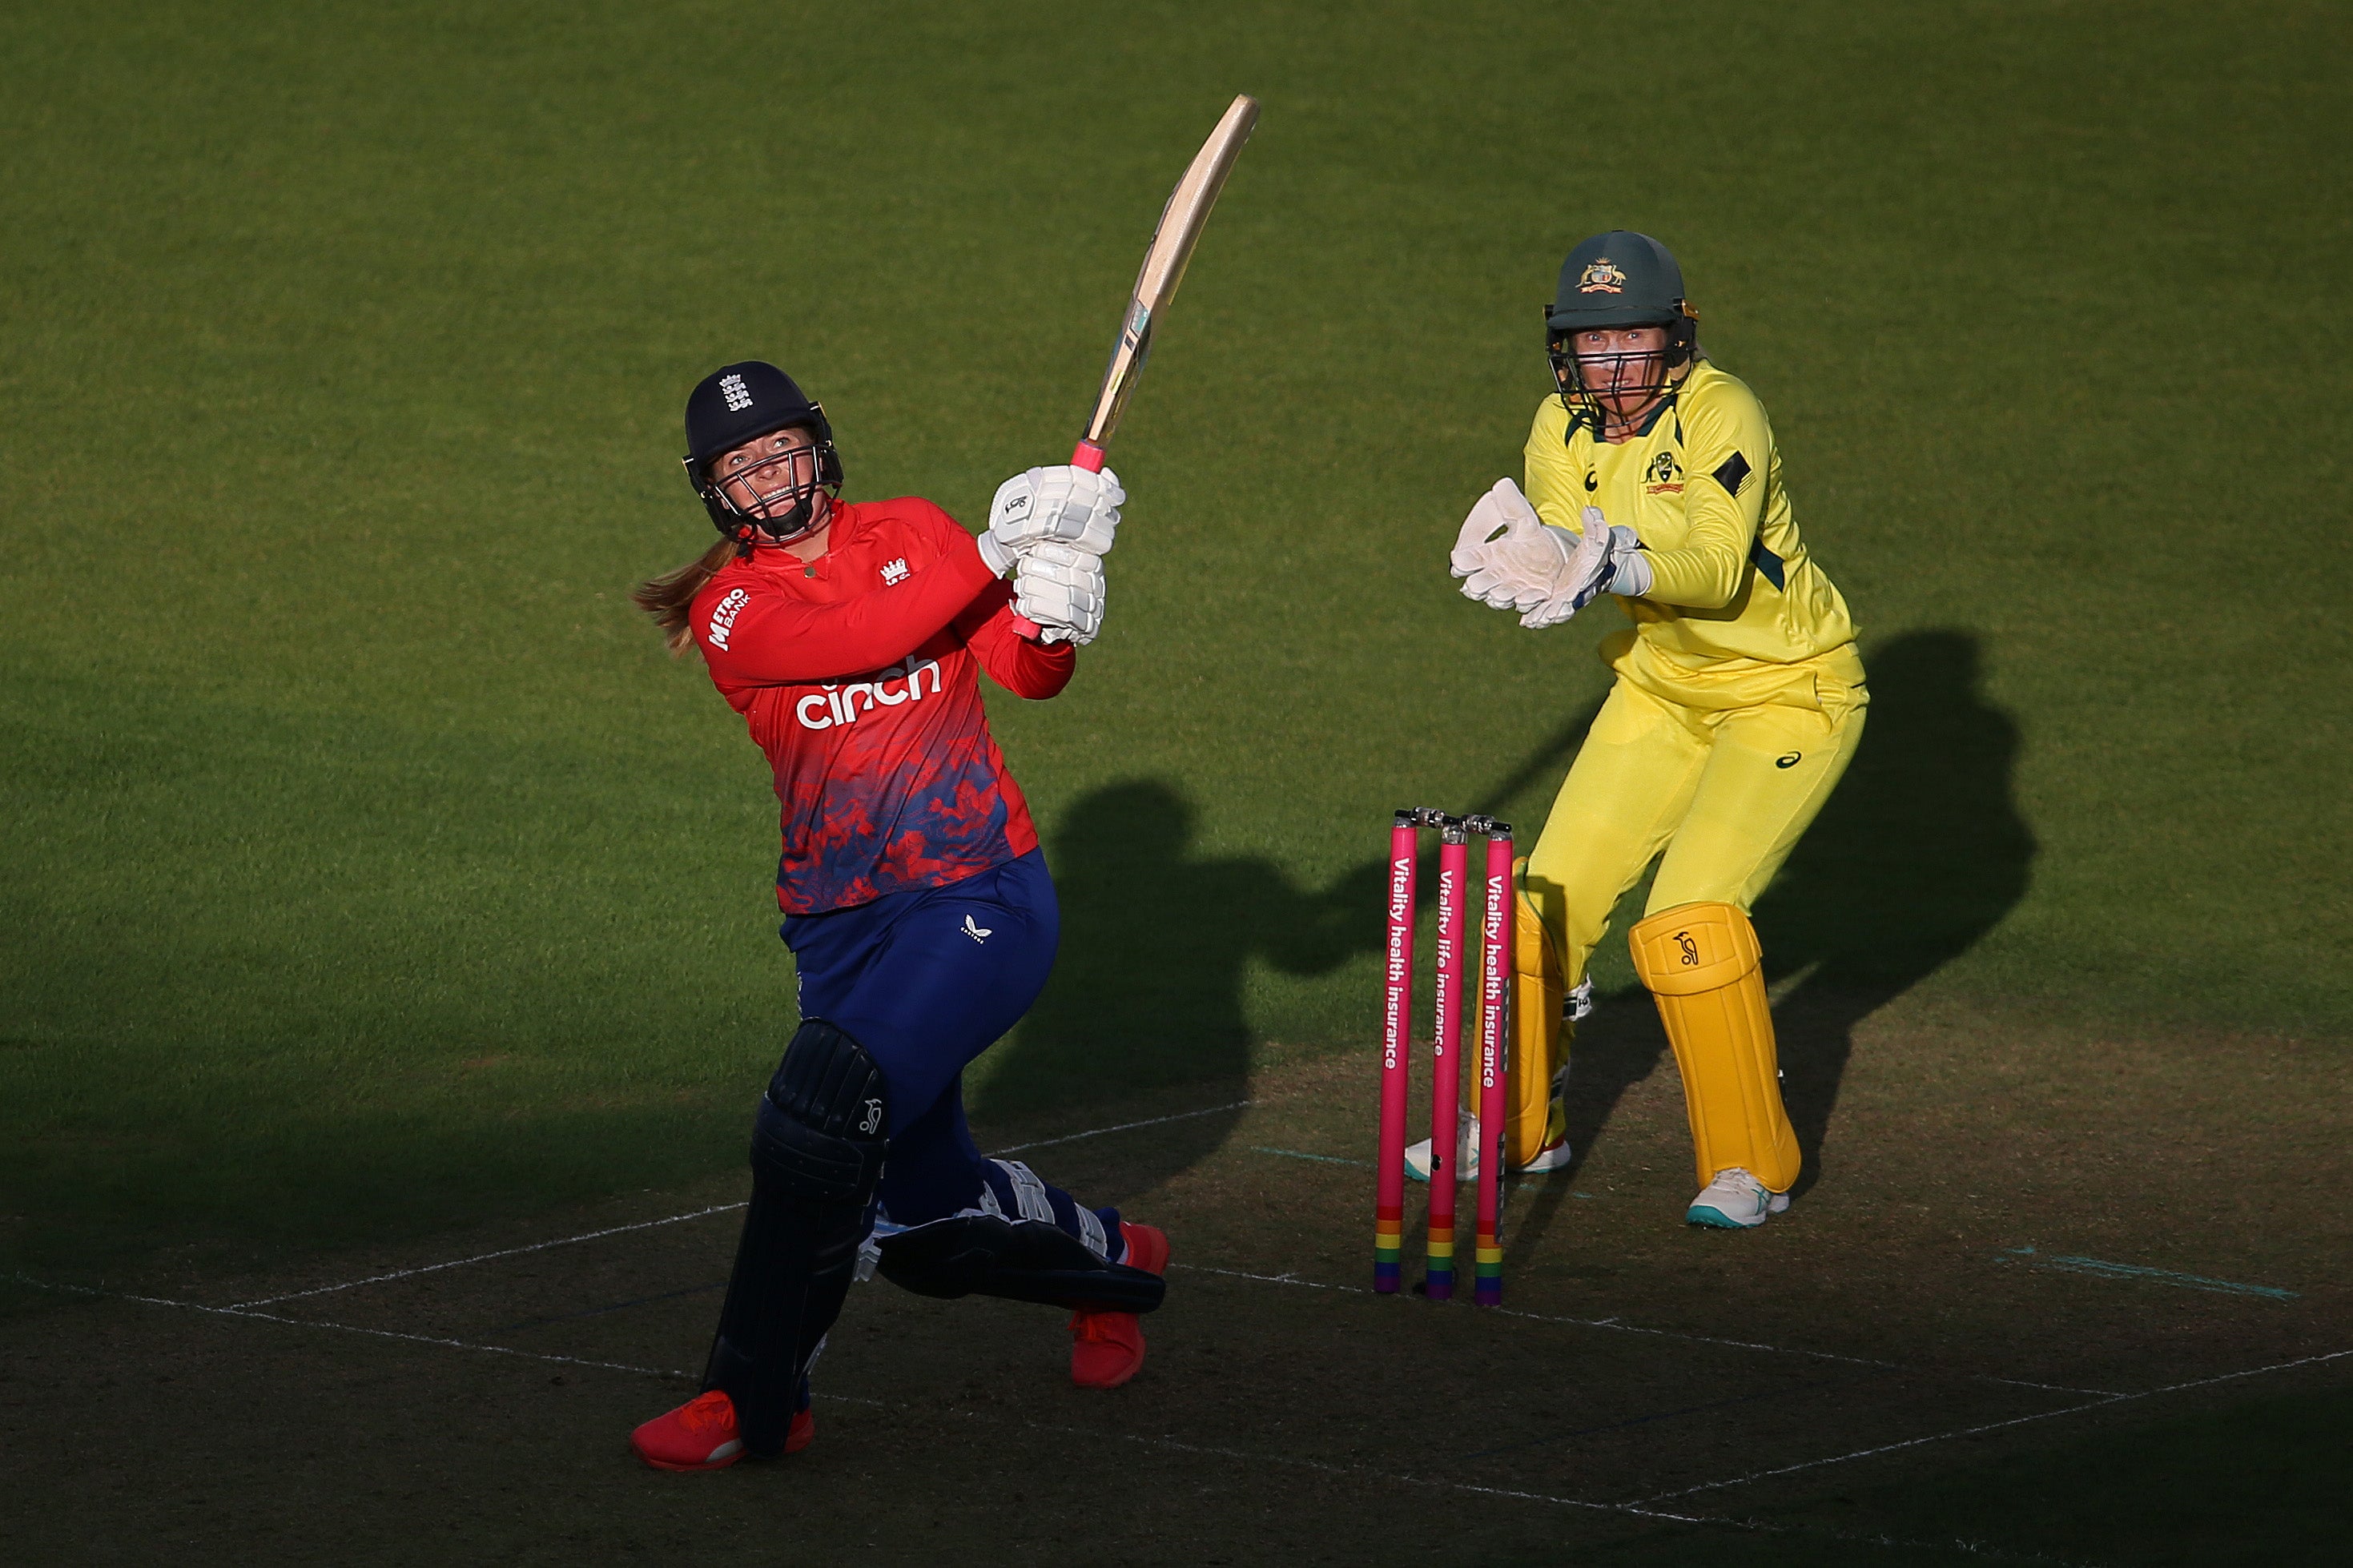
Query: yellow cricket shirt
x=1701, y=484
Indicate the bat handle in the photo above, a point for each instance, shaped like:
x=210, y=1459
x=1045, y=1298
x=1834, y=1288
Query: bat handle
x=1087, y=456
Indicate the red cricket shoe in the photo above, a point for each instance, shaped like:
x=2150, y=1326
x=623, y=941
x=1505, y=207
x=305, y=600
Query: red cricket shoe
x=700, y=1434
x=1107, y=1348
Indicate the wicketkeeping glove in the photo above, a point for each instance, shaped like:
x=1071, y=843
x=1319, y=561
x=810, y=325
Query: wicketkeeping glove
x=1508, y=556
x=1064, y=505
x=1605, y=561
x=1060, y=588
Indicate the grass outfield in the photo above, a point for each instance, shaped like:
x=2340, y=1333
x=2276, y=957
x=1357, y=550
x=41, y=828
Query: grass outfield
x=369, y=869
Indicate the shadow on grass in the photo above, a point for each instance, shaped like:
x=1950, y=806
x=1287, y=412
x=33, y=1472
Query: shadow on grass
x=1918, y=854
x=1148, y=991
x=1156, y=942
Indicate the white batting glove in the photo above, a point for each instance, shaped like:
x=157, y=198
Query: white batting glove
x=1509, y=557
x=1060, y=587
x=1063, y=505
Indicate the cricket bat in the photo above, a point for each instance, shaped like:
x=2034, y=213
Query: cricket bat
x=1173, y=239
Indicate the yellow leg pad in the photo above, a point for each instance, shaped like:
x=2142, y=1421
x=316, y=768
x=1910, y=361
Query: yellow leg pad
x=1704, y=969
x=1537, y=993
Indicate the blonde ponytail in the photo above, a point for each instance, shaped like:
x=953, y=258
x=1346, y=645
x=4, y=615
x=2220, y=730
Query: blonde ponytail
x=670, y=598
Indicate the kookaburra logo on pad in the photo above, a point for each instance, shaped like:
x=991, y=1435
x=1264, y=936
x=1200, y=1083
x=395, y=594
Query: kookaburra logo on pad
x=732, y=388
x=1601, y=277
x=874, y=1117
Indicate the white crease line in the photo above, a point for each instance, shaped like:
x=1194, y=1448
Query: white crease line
x=1270, y=1278
x=2045, y=1387
x=1367, y=1472
x=1167, y=1443
x=674, y=1219
x=1625, y=1328
x=478, y=1258
x=1663, y=1333
x=1124, y=1126
x=1170, y=1444
x=1393, y=1478
x=413, y=1338
x=1787, y=1350
x=2014, y=1421
x=342, y=1328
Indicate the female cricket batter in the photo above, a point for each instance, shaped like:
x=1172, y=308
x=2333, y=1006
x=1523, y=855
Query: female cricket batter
x=1739, y=695
x=851, y=635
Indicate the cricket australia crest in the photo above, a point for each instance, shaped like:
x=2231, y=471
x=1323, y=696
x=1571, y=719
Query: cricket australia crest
x=1664, y=476
x=1602, y=276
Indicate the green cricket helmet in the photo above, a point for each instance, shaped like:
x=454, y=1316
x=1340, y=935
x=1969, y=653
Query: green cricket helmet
x=1618, y=279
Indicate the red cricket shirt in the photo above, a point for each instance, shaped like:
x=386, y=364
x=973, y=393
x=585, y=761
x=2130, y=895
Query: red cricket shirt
x=858, y=676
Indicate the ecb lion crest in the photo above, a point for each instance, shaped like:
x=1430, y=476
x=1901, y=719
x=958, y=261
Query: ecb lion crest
x=1602, y=276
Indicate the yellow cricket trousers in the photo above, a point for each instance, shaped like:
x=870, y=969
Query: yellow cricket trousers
x=1722, y=768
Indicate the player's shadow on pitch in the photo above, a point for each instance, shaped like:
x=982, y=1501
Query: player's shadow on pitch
x=1919, y=853
x=1148, y=991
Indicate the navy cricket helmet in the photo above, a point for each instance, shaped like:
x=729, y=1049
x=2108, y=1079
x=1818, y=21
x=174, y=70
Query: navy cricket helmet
x=743, y=402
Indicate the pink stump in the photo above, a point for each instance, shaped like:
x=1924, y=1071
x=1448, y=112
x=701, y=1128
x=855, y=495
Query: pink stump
x=1495, y=1030
x=1396, y=1042
x=1446, y=1055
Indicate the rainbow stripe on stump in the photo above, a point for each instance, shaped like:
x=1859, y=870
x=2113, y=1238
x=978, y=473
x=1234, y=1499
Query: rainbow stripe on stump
x=1438, y=1272
x=1487, y=1283
x=1389, y=1246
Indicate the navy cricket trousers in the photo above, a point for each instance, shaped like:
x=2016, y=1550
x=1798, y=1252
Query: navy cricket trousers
x=926, y=980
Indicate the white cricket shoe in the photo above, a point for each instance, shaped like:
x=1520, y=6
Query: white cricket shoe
x=1466, y=1154
x=1735, y=1201
x=1553, y=1157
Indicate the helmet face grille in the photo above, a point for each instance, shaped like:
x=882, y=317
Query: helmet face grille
x=1618, y=387
x=783, y=493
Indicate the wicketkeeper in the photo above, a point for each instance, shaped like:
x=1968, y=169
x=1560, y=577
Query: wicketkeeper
x=851, y=637
x=1653, y=476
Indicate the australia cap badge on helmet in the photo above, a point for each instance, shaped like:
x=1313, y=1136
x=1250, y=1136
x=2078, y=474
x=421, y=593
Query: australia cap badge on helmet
x=1618, y=279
